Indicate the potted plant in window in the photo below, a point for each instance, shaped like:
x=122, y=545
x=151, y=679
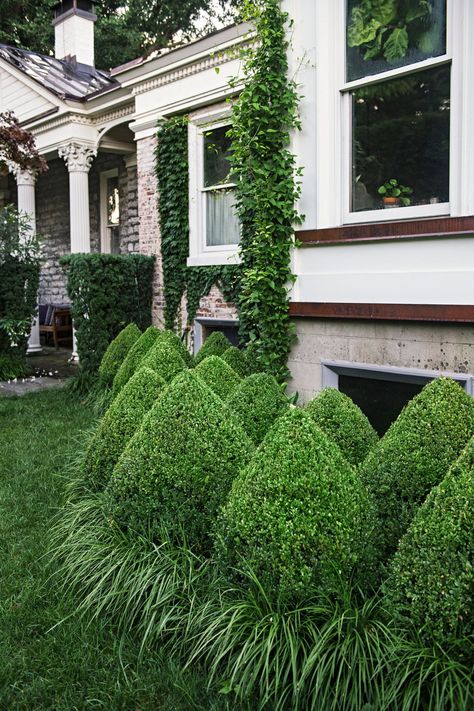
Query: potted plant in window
x=395, y=195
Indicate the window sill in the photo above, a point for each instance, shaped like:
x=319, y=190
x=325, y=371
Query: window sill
x=216, y=258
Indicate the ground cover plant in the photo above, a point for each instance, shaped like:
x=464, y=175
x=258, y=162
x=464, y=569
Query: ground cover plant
x=116, y=352
x=343, y=422
x=218, y=375
x=134, y=357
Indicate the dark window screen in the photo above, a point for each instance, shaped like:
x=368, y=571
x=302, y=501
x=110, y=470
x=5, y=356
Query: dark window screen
x=231, y=332
x=381, y=400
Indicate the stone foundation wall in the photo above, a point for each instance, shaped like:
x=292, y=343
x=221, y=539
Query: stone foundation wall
x=426, y=346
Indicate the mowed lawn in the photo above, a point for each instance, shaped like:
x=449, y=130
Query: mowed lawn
x=43, y=664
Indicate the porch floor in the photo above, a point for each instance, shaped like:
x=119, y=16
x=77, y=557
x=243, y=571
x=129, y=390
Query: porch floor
x=49, y=369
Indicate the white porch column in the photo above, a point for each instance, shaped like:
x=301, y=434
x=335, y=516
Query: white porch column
x=25, y=180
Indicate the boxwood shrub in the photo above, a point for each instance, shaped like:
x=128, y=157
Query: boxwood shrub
x=415, y=454
x=134, y=357
x=118, y=426
x=298, y=515
x=177, y=470
x=343, y=422
x=116, y=352
x=236, y=359
x=219, y=376
x=257, y=402
x=216, y=344
x=431, y=580
x=172, y=339
x=164, y=359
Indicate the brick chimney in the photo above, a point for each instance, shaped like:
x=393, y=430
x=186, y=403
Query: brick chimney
x=74, y=30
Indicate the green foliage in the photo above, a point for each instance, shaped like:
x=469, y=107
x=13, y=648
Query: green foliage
x=134, y=357
x=116, y=352
x=344, y=423
x=12, y=365
x=414, y=456
x=298, y=515
x=264, y=115
x=170, y=338
x=219, y=376
x=165, y=360
x=431, y=581
x=177, y=470
x=107, y=292
x=118, y=425
x=216, y=344
x=236, y=359
x=257, y=402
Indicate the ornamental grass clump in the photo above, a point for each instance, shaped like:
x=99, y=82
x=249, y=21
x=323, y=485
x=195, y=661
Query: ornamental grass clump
x=431, y=578
x=298, y=515
x=414, y=456
x=164, y=359
x=219, y=376
x=236, y=359
x=257, y=402
x=134, y=357
x=178, y=469
x=344, y=423
x=216, y=345
x=118, y=426
x=116, y=352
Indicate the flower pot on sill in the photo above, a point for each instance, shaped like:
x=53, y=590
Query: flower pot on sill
x=389, y=202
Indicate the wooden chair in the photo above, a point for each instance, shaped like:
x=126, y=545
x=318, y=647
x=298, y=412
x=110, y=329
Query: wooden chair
x=56, y=319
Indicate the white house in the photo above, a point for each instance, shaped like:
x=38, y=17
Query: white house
x=384, y=298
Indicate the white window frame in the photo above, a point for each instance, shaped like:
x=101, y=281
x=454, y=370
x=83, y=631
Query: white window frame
x=105, y=241
x=200, y=254
x=333, y=118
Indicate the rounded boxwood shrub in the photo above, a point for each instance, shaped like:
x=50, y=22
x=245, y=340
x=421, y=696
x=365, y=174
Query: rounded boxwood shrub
x=216, y=344
x=298, y=516
x=219, y=376
x=177, y=470
x=415, y=454
x=119, y=424
x=257, y=402
x=134, y=357
x=116, y=352
x=431, y=580
x=172, y=339
x=164, y=359
x=344, y=423
x=236, y=359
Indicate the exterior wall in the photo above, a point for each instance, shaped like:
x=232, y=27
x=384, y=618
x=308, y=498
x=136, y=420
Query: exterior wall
x=149, y=231
x=129, y=224
x=425, y=346
x=213, y=305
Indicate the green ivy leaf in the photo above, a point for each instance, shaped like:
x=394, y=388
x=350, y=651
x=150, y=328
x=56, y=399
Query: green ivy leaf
x=396, y=45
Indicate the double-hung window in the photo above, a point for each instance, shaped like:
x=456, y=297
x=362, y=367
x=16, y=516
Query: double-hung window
x=110, y=212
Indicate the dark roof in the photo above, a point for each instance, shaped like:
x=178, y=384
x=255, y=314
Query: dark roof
x=66, y=79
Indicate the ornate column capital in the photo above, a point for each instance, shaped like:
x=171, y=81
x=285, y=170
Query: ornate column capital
x=77, y=156
x=23, y=176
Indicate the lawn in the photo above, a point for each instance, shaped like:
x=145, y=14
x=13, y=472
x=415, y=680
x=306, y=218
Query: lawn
x=43, y=664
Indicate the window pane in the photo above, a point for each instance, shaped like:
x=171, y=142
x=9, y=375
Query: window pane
x=401, y=133
x=222, y=224
x=113, y=203
x=114, y=240
x=216, y=157
x=384, y=34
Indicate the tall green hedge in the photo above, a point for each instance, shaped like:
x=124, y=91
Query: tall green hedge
x=116, y=353
x=133, y=359
x=414, y=456
x=107, y=291
x=177, y=470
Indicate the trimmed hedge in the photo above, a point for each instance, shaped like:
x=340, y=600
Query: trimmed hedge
x=164, y=359
x=116, y=352
x=216, y=344
x=236, y=359
x=298, y=515
x=175, y=341
x=415, y=454
x=119, y=424
x=257, y=402
x=431, y=580
x=219, y=376
x=344, y=422
x=107, y=292
x=134, y=357
x=177, y=470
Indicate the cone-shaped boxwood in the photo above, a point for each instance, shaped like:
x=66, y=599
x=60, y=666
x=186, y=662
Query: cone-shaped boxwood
x=134, y=357
x=219, y=376
x=172, y=339
x=236, y=359
x=119, y=424
x=257, y=402
x=414, y=455
x=216, y=344
x=164, y=359
x=116, y=352
x=431, y=580
x=177, y=470
x=298, y=515
x=343, y=422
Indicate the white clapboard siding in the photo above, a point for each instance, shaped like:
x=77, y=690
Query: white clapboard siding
x=21, y=99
